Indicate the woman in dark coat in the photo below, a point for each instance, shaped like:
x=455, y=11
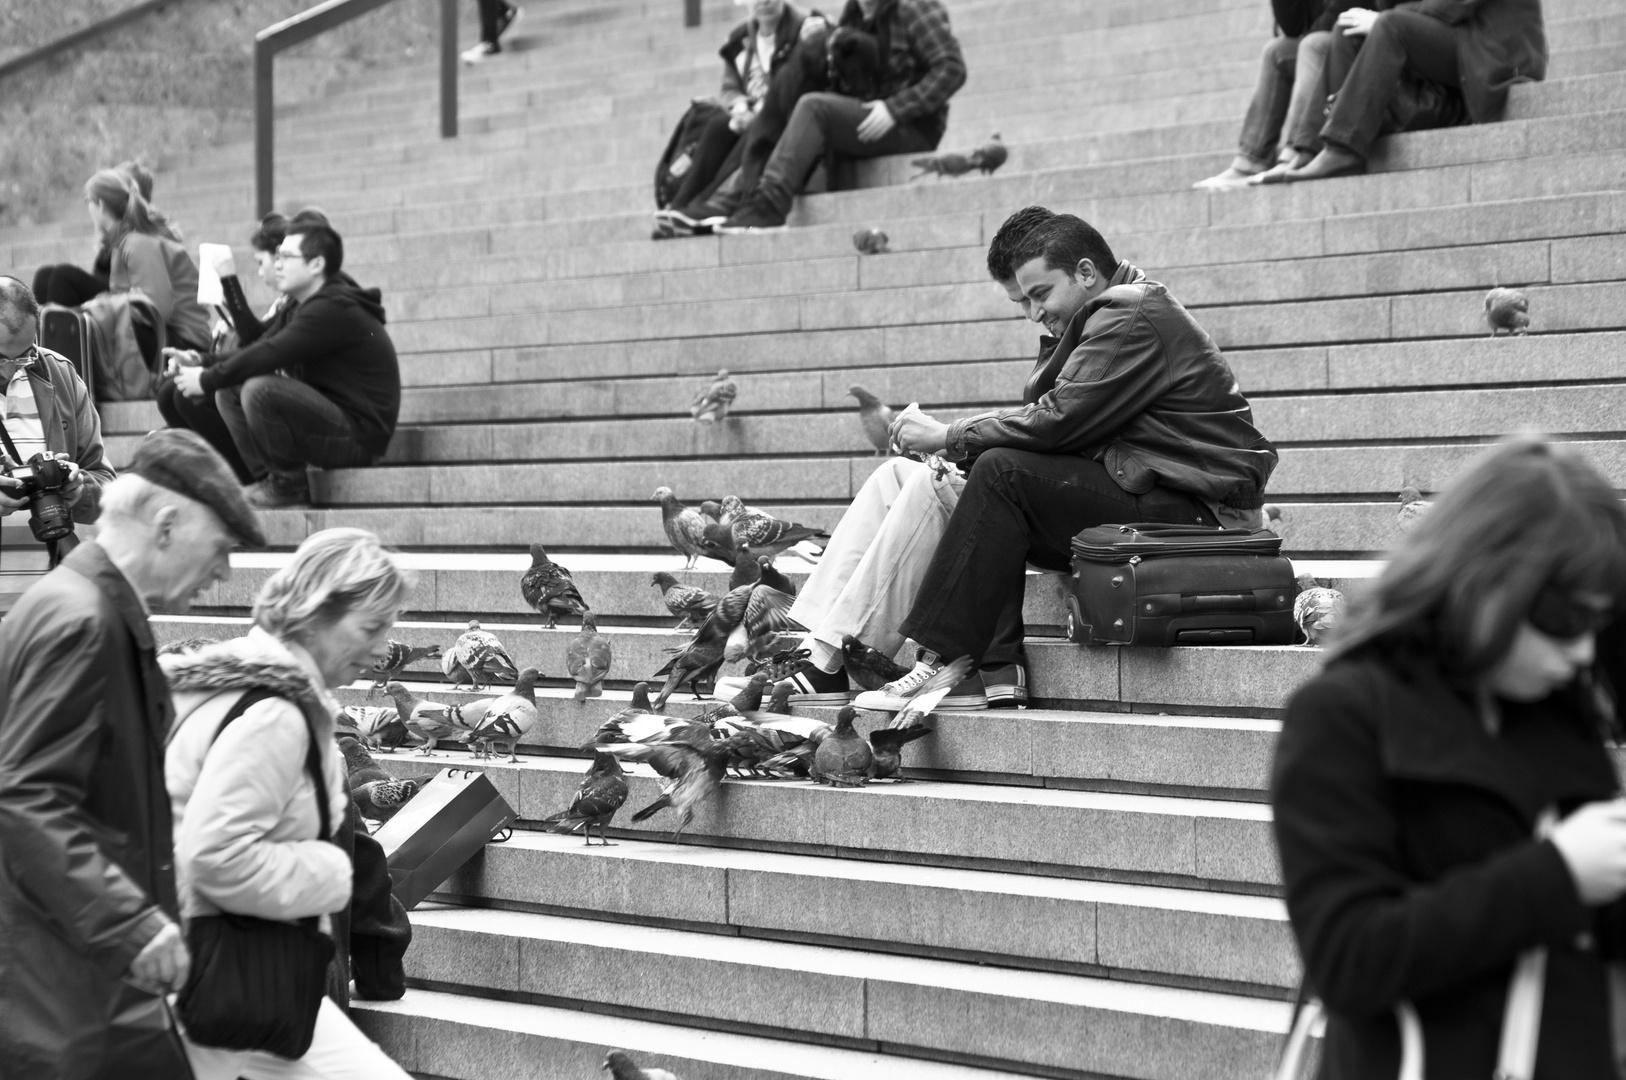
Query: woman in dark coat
x=1459, y=707
x=1477, y=47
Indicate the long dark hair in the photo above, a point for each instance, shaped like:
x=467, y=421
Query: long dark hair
x=1525, y=515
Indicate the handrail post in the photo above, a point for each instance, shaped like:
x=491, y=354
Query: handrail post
x=691, y=12
x=448, y=69
x=264, y=125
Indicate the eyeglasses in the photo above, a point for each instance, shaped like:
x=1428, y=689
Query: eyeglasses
x=1566, y=616
x=280, y=256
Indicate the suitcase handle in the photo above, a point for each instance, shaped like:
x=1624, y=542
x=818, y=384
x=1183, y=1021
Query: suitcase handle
x=1153, y=528
x=1219, y=602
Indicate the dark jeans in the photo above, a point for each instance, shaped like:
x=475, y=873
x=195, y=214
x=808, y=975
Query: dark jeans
x=491, y=12
x=1020, y=507
x=67, y=284
x=823, y=122
x=1401, y=42
x=201, y=415
x=281, y=425
x=716, y=146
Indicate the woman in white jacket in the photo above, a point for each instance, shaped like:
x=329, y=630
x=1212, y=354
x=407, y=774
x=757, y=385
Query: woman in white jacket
x=246, y=827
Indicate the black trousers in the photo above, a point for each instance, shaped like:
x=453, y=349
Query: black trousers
x=1020, y=507
x=1401, y=42
x=66, y=284
x=201, y=416
x=711, y=153
x=491, y=12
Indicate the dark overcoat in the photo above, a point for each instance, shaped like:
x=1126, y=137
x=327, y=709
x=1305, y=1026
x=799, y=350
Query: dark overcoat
x=1499, y=43
x=86, y=865
x=1406, y=833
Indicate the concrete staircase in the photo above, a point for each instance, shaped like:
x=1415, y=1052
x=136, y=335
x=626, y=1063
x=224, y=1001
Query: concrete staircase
x=1083, y=889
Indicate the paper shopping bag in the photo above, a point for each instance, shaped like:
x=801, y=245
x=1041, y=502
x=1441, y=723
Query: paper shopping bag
x=450, y=819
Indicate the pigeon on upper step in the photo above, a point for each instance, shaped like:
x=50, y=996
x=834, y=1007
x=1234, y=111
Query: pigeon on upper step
x=711, y=404
x=1317, y=610
x=1413, y=507
x=875, y=417
x=600, y=795
x=623, y=1067
x=549, y=588
x=685, y=526
x=396, y=659
x=690, y=603
x=477, y=653
x=1507, y=311
x=588, y=659
x=870, y=241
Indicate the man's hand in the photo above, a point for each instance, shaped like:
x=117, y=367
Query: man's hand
x=918, y=433
x=162, y=966
x=189, y=381
x=74, y=489
x=1356, y=22
x=176, y=359
x=7, y=486
x=813, y=24
x=740, y=116
x=877, y=123
x=225, y=265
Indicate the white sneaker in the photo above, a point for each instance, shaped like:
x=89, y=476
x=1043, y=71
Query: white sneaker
x=896, y=694
x=480, y=50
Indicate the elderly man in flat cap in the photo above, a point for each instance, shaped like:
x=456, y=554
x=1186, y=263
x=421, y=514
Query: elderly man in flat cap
x=89, y=932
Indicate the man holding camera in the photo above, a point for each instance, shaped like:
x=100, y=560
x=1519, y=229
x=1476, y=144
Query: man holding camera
x=51, y=463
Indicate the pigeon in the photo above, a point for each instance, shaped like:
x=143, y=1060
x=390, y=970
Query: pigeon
x=888, y=742
x=746, y=572
x=843, y=758
x=875, y=417
x=548, y=588
x=763, y=534
x=712, y=511
x=396, y=659
x=186, y=645
x=1274, y=522
x=1316, y=609
x=886, y=745
x=742, y=619
x=505, y=719
x=622, y=1067
x=378, y=729
x=359, y=766
x=476, y=653
x=867, y=667
x=588, y=659
x=990, y=155
x=1507, y=310
x=695, y=768
x=870, y=241
x=948, y=163
x=711, y=404
x=685, y=526
x=379, y=800
x=597, y=799
x=1412, y=508
x=689, y=602
x=428, y=720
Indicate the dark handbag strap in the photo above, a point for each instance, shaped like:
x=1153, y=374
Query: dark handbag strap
x=1164, y=529
x=313, y=756
x=5, y=440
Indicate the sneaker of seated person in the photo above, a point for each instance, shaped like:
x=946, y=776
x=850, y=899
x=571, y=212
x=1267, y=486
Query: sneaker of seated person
x=1006, y=685
x=481, y=50
x=969, y=694
x=278, y=491
x=757, y=215
x=815, y=686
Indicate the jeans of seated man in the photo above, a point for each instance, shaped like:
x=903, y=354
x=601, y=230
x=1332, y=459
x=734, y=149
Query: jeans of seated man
x=1019, y=507
x=202, y=416
x=872, y=568
x=824, y=122
x=1401, y=42
x=281, y=425
x=1289, y=91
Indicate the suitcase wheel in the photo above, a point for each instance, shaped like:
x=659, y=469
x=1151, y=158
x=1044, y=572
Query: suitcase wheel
x=1076, y=631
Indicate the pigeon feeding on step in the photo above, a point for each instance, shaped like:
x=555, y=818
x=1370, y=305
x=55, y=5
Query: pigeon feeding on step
x=875, y=417
x=1275, y=523
x=549, y=588
x=623, y=1067
x=600, y=795
x=396, y=659
x=711, y=404
x=504, y=719
x=685, y=527
x=588, y=659
x=379, y=800
x=690, y=603
x=757, y=534
x=1413, y=508
x=987, y=157
x=477, y=653
x=742, y=620
x=1507, y=311
x=869, y=668
x=378, y=729
x=870, y=241
x=695, y=769
x=909, y=723
x=844, y=757
x=429, y=721
x=1317, y=610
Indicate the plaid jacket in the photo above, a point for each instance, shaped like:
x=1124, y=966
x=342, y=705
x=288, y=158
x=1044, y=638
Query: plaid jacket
x=924, y=65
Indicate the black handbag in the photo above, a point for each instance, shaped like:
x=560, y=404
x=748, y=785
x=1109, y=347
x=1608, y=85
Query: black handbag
x=257, y=984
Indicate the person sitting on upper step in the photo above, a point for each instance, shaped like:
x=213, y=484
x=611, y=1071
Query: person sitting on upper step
x=871, y=570
x=923, y=68
x=69, y=285
x=338, y=405
x=1133, y=416
x=1429, y=64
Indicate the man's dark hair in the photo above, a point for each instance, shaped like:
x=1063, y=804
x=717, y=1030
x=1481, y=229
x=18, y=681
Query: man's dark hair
x=1063, y=241
x=320, y=240
x=1015, y=229
x=17, y=304
x=268, y=237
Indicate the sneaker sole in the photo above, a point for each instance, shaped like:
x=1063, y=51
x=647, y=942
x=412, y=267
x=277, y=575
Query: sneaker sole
x=963, y=704
x=736, y=230
x=833, y=698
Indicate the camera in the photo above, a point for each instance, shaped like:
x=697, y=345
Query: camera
x=49, y=516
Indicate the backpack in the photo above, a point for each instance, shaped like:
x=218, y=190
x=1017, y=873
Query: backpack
x=679, y=156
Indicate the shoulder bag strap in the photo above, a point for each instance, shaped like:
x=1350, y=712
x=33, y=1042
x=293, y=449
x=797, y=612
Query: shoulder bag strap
x=313, y=755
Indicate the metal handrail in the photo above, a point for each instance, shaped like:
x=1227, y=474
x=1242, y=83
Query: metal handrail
x=306, y=25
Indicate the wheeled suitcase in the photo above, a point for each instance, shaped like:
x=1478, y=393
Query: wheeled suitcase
x=1151, y=584
x=66, y=331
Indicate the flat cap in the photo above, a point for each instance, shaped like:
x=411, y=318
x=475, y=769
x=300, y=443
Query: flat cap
x=181, y=461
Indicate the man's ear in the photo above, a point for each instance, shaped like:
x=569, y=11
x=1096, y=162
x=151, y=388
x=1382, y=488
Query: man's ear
x=318, y=265
x=1086, y=273
x=164, y=524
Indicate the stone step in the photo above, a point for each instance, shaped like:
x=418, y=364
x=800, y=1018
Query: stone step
x=1071, y=1023
x=1141, y=933
x=467, y=1038
x=1255, y=680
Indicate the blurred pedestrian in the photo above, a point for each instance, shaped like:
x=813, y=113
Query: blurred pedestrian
x=89, y=923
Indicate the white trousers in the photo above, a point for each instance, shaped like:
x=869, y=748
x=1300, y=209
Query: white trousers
x=871, y=570
x=339, y=1051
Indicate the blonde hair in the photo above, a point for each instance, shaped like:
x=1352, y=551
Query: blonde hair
x=334, y=572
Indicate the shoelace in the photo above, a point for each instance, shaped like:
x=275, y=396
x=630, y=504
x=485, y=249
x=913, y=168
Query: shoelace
x=912, y=681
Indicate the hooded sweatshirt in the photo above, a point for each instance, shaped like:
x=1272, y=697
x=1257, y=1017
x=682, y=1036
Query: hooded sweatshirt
x=334, y=342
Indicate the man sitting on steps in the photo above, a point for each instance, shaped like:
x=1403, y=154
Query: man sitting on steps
x=334, y=405
x=1133, y=416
